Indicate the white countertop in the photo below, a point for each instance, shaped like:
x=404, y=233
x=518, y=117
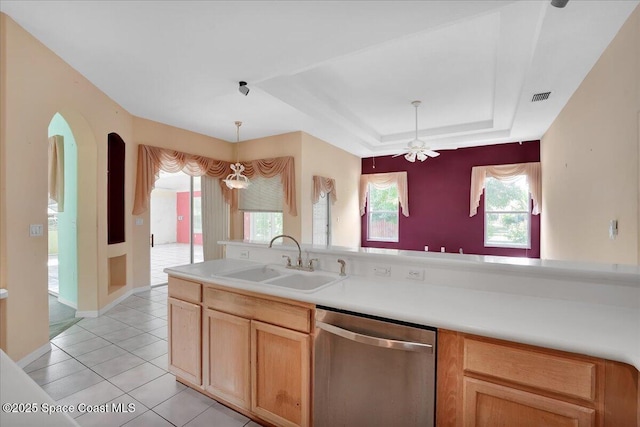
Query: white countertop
x=16, y=387
x=600, y=330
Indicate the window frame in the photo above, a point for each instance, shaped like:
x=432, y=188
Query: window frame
x=370, y=210
x=244, y=213
x=327, y=228
x=528, y=214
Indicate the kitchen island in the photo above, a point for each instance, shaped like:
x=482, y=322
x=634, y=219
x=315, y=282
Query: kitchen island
x=591, y=311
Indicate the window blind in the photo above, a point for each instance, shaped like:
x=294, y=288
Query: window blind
x=263, y=195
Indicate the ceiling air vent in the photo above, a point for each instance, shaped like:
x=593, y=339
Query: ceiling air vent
x=540, y=96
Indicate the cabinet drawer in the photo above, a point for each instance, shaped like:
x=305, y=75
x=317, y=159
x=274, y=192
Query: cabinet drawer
x=185, y=290
x=274, y=312
x=487, y=404
x=563, y=375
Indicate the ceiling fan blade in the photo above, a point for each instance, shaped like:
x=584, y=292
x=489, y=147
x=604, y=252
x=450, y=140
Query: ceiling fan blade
x=431, y=153
x=398, y=155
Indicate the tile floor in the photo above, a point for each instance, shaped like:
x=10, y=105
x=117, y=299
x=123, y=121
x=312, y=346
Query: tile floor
x=121, y=357
x=169, y=255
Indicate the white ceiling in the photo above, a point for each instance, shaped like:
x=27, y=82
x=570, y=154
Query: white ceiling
x=343, y=71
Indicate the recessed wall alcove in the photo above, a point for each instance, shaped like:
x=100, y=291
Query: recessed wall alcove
x=115, y=189
x=117, y=273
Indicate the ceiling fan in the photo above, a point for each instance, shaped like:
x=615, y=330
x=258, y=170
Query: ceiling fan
x=417, y=149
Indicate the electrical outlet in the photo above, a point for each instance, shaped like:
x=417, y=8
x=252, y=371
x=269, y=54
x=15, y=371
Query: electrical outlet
x=244, y=254
x=416, y=274
x=382, y=271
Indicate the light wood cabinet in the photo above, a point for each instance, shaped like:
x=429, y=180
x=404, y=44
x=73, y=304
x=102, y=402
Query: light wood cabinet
x=484, y=382
x=280, y=374
x=226, y=344
x=257, y=355
x=184, y=335
x=489, y=405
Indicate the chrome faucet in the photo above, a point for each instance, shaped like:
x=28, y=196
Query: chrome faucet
x=342, y=265
x=298, y=265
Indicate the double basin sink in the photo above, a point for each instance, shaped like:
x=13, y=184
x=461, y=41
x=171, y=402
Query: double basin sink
x=298, y=280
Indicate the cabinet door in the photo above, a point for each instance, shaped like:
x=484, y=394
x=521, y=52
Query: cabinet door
x=185, y=353
x=280, y=374
x=226, y=357
x=490, y=405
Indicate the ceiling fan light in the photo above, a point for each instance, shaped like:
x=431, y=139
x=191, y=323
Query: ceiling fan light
x=422, y=157
x=411, y=157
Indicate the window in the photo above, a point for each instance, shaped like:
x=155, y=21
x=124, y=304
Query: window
x=262, y=206
x=507, y=218
x=383, y=214
x=262, y=226
x=321, y=223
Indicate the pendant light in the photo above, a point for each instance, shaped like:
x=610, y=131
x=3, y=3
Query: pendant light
x=237, y=179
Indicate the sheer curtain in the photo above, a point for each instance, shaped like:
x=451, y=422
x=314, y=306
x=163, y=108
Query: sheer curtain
x=382, y=181
x=56, y=170
x=504, y=173
x=215, y=218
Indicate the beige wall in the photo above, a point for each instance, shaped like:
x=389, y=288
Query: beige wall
x=590, y=161
x=35, y=85
x=323, y=159
x=312, y=156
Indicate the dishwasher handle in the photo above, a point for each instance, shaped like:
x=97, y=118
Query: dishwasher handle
x=375, y=341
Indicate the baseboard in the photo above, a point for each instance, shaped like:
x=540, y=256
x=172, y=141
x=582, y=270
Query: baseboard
x=88, y=313
x=67, y=302
x=103, y=310
x=34, y=355
x=141, y=289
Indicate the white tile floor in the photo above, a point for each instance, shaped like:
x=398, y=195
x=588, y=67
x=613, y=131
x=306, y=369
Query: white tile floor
x=169, y=255
x=121, y=357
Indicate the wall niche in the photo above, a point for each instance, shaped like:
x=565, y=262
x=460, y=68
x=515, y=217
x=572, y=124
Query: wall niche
x=115, y=189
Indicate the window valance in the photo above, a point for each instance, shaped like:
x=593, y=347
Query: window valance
x=153, y=159
x=382, y=181
x=504, y=173
x=323, y=185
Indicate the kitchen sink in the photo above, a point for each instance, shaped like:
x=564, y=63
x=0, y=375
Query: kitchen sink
x=255, y=274
x=285, y=278
x=304, y=282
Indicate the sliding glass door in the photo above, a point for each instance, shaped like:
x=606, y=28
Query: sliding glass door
x=176, y=223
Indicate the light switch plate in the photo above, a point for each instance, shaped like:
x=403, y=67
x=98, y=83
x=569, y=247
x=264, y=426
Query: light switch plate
x=244, y=254
x=36, y=230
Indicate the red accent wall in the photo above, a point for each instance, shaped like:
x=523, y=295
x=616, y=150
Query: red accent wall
x=183, y=205
x=439, y=200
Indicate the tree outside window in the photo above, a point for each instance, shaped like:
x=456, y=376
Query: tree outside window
x=507, y=213
x=383, y=214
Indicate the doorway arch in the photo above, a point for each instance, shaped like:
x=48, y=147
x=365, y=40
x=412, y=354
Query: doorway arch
x=87, y=224
x=63, y=236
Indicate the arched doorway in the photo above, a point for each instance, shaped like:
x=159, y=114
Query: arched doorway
x=62, y=229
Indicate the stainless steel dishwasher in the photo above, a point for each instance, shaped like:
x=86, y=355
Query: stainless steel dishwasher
x=372, y=372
